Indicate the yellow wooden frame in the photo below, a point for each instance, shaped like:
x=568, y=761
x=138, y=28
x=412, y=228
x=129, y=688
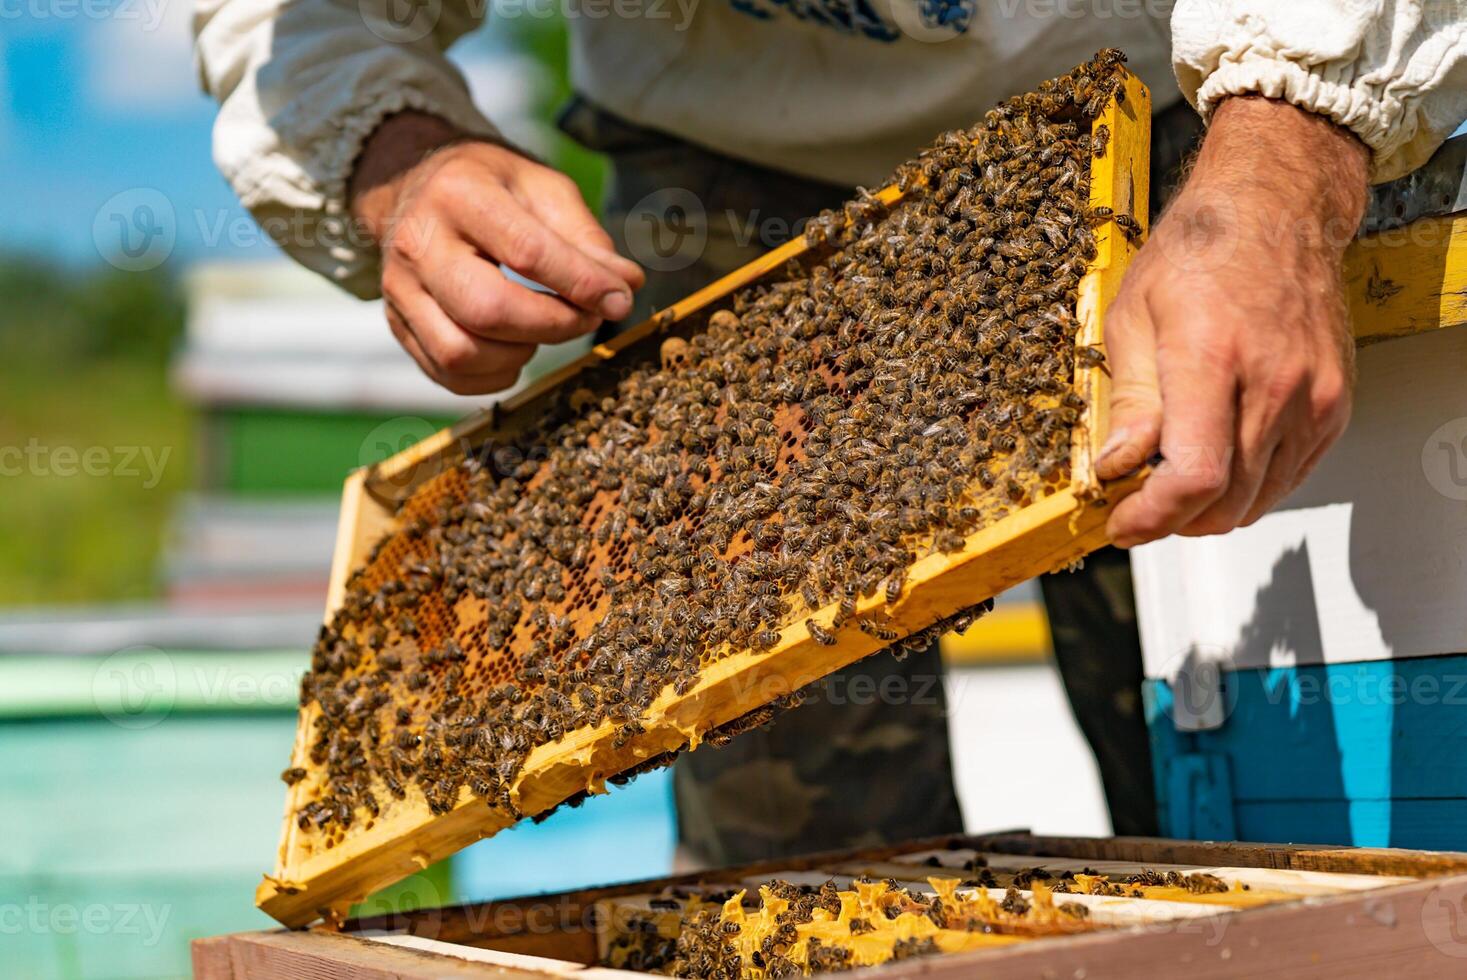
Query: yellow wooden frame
x=1049, y=534
x=1396, y=283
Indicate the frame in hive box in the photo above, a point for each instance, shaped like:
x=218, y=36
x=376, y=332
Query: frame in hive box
x=1300, y=910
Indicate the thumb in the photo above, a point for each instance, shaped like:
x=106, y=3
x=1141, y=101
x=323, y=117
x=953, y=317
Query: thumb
x=1135, y=398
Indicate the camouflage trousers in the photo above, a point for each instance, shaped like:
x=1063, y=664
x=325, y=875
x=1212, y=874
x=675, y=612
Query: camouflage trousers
x=866, y=759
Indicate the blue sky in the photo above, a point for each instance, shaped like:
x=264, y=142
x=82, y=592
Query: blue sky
x=94, y=106
x=105, y=101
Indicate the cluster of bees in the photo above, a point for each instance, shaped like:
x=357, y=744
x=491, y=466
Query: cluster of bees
x=792, y=930
x=908, y=384
x=787, y=929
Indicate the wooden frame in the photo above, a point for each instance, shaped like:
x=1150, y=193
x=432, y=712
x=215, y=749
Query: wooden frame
x=1407, y=925
x=1119, y=180
x=1046, y=535
x=1397, y=282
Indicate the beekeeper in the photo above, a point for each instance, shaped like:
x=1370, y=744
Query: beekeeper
x=727, y=121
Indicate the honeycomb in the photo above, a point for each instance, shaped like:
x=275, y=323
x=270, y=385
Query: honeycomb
x=789, y=929
x=905, y=384
x=842, y=914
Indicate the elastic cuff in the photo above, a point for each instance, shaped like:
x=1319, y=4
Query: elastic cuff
x=1397, y=142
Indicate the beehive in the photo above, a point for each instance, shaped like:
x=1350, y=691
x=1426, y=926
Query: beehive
x=1250, y=910
x=407, y=666
x=848, y=914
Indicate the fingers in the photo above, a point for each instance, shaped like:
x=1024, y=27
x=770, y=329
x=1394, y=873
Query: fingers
x=1295, y=460
x=1254, y=463
x=1197, y=441
x=475, y=209
x=1286, y=470
x=1135, y=401
x=498, y=226
x=451, y=356
x=476, y=295
x=1261, y=462
x=557, y=201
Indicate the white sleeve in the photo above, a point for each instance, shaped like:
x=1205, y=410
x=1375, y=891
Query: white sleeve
x=301, y=85
x=1393, y=71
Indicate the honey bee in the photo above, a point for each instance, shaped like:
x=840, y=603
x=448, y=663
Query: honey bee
x=819, y=633
x=1090, y=357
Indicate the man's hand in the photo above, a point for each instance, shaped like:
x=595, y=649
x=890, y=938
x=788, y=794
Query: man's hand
x=446, y=212
x=1229, y=342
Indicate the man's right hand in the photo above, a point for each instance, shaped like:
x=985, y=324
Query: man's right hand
x=447, y=212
